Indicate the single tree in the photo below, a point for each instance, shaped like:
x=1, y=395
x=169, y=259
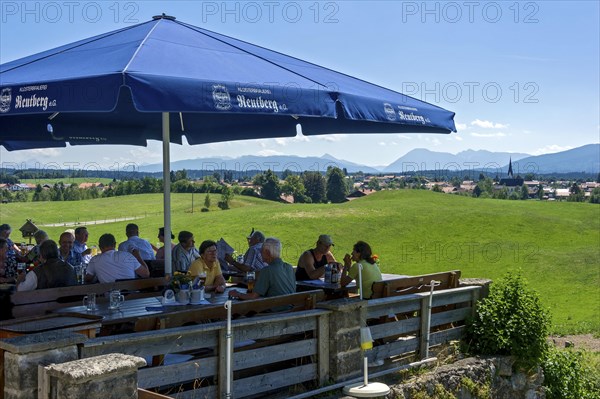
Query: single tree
x=336, y=186
x=315, y=186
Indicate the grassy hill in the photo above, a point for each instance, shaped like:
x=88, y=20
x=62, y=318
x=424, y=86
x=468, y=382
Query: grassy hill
x=555, y=244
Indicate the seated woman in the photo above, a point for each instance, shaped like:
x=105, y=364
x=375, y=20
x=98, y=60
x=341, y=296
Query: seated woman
x=51, y=273
x=208, y=263
x=362, y=255
x=8, y=274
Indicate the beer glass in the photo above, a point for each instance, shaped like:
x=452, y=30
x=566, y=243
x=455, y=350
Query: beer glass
x=89, y=301
x=250, y=277
x=115, y=299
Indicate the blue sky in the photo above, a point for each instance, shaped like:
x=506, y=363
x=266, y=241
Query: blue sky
x=521, y=76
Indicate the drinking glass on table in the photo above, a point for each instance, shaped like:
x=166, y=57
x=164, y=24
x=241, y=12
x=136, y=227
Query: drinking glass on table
x=250, y=277
x=89, y=301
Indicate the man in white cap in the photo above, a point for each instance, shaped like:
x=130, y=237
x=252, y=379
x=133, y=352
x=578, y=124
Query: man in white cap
x=311, y=264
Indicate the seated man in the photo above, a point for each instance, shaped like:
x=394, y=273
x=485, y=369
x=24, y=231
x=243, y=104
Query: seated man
x=253, y=260
x=80, y=246
x=275, y=279
x=132, y=232
x=66, y=251
x=52, y=272
x=185, y=252
x=311, y=264
x=113, y=265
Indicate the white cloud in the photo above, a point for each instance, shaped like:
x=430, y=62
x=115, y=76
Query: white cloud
x=488, y=135
x=488, y=124
x=45, y=152
x=549, y=149
x=457, y=137
x=403, y=136
x=283, y=141
x=382, y=143
x=461, y=126
x=333, y=138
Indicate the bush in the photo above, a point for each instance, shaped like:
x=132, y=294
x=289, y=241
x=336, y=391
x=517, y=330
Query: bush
x=567, y=376
x=510, y=321
x=204, y=210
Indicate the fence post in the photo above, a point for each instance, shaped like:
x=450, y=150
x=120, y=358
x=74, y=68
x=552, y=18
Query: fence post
x=425, y=320
x=345, y=321
x=111, y=376
x=23, y=354
x=323, y=351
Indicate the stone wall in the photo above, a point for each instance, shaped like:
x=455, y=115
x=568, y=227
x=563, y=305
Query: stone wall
x=480, y=377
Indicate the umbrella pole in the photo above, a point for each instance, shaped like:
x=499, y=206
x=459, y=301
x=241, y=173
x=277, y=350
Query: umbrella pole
x=166, y=139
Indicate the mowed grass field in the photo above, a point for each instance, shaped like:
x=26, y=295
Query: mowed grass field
x=556, y=245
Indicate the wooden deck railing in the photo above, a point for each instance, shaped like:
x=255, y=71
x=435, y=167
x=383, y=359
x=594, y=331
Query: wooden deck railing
x=271, y=352
x=277, y=351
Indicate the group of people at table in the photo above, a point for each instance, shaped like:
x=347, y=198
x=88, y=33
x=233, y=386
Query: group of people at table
x=56, y=264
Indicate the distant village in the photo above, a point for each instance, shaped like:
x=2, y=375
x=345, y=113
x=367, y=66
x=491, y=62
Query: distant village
x=291, y=188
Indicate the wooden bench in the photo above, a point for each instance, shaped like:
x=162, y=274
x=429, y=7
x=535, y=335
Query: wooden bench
x=40, y=302
x=412, y=285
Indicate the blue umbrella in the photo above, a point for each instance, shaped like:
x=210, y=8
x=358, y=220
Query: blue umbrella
x=121, y=87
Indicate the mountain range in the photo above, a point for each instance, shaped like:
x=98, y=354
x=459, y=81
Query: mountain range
x=582, y=159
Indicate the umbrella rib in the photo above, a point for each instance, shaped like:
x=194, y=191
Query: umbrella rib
x=139, y=47
x=204, y=32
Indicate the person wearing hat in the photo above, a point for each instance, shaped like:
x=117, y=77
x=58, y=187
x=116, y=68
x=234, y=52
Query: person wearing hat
x=160, y=252
x=311, y=264
x=253, y=260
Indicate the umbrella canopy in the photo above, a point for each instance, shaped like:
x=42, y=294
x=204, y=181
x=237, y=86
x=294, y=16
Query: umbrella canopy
x=111, y=89
x=121, y=87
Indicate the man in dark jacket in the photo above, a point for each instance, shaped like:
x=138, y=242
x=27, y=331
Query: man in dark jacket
x=51, y=273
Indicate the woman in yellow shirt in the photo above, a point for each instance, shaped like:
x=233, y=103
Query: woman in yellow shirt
x=209, y=264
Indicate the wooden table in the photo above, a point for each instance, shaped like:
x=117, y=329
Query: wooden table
x=133, y=309
x=334, y=291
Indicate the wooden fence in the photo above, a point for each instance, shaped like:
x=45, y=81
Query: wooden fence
x=285, y=353
x=270, y=352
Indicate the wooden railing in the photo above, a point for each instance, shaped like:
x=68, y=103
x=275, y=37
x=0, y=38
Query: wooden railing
x=275, y=352
x=271, y=352
x=400, y=324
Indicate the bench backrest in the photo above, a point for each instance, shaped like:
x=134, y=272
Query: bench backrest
x=287, y=303
x=411, y=285
x=39, y=302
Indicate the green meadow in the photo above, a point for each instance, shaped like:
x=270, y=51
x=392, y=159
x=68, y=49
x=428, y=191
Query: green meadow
x=555, y=244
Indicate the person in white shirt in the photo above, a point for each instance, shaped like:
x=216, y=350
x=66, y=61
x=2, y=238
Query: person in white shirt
x=113, y=265
x=135, y=242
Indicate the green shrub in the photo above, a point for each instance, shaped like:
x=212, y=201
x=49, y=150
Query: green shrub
x=510, y=321
x=567, y=375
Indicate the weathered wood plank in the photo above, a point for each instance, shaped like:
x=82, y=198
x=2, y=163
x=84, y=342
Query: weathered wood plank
x=323, y=349
x=395, y=348
x=262, y=329
x=403, y=305
x=275, y=353
x=393, y=328
x=450, y=297
x=153, y=377
x=140, y=344
x=274, y=380
x=450, y=316
x=446, y=335
x=209, y=392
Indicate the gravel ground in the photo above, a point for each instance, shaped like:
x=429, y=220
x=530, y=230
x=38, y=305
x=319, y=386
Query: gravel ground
x=585, y=341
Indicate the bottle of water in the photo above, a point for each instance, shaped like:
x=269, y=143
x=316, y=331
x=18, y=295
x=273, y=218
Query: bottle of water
x=328, y=273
